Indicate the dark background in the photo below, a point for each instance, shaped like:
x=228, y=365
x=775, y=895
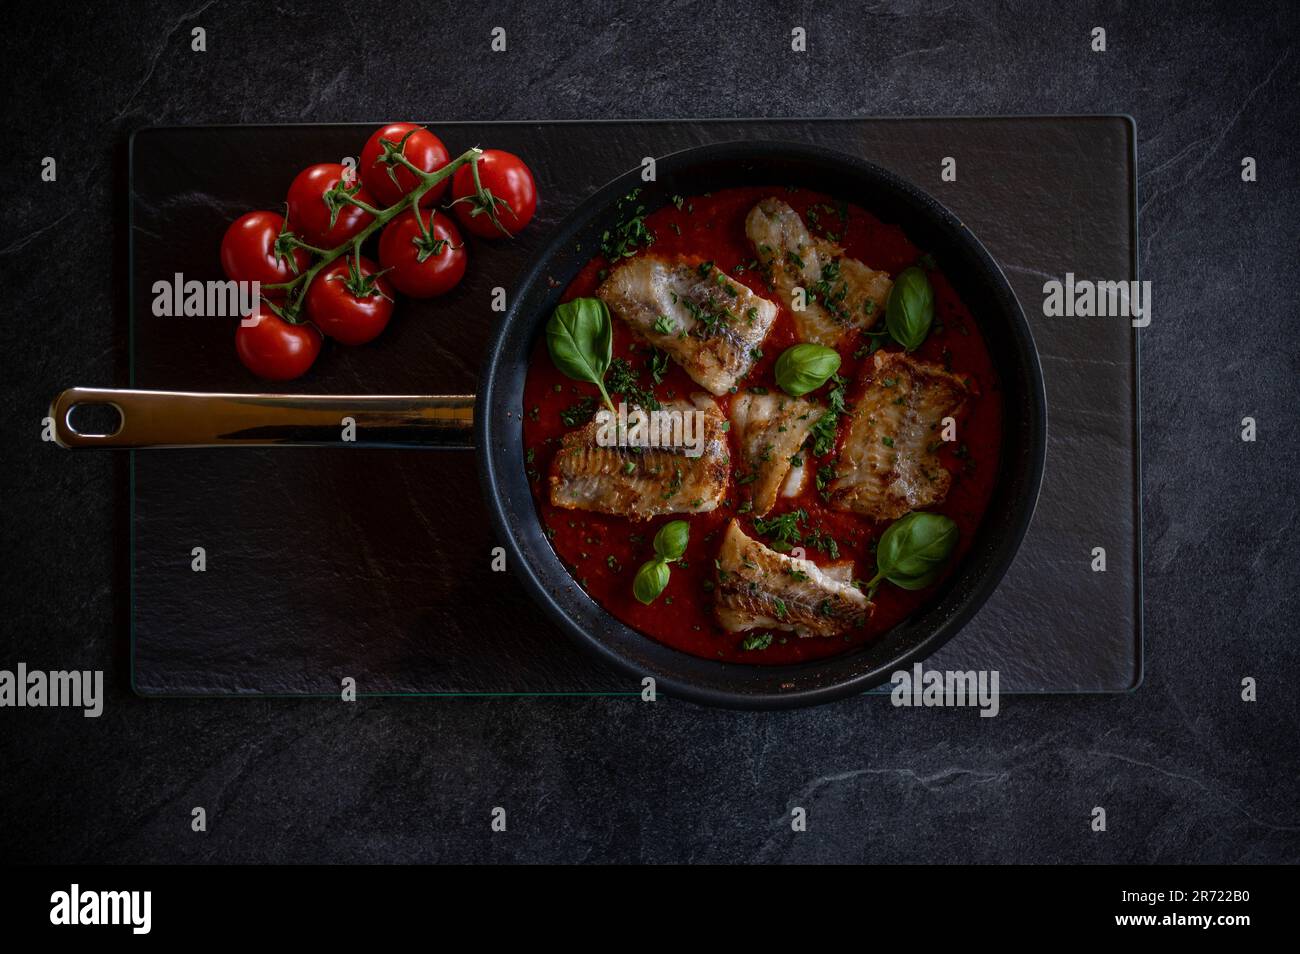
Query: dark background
x=1185, y=770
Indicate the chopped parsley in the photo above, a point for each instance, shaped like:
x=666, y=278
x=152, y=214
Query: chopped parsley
x=822, y=432
x=825, y=474
x=624, y=239
x=657, y=365
x=783, y=529
x=621, y=379
x=831, y=290
x=580, y=413
x=820, y=540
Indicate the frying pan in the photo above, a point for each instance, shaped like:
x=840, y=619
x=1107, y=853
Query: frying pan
x=491, y=422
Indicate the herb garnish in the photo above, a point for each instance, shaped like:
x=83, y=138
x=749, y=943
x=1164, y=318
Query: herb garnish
x=623, y=240
x=805, y=367
x=910, y=310
x=822, y=432
x=621, y=379
x=658, y=365
x=579, y=413
x=784, y=529
x=912, y=551
x=580, y=338
x=670, y=544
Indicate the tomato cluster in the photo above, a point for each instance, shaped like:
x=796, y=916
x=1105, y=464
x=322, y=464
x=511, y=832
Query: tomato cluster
x=316, y=282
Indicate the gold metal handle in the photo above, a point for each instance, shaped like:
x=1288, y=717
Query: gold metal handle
x=191, y=419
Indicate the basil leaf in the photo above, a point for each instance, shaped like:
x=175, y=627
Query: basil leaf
x=910, y=310
x=650, y=580
x=912, y=551
x=580, y=338
x=805, y=367
x=670, y=541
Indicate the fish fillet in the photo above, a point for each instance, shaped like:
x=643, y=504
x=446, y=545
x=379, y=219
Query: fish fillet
x=708, y=323
x=842, y=294
x=889, y=465
x=758, y=588
x=643, y=482
x=770, y=430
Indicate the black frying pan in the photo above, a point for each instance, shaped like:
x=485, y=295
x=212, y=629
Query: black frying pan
x=170, y=419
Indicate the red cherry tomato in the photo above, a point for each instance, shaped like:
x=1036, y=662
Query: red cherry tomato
x=309, y=209
x=404, y=242
x=421, y=147
x=351, y=304
x=248, y=251
x=511, y=184
x=272, y=348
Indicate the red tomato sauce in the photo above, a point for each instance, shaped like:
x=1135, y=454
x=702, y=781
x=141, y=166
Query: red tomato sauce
x=604, y=552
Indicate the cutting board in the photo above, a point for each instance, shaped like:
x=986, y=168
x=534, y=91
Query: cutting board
x=324, y=564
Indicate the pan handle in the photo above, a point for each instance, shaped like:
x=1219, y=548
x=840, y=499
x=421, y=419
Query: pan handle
x=190, y=419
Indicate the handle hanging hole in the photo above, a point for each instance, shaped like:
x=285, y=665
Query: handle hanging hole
x=94, y=420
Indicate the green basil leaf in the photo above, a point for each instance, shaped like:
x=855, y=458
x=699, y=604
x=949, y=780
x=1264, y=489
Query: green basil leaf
x=650, y=580
x=912, y=551
x=580, y=338
x=805, y=367
x=670, y=541
x=910, y=310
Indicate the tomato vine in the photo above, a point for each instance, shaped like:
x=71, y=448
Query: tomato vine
x=287, y=242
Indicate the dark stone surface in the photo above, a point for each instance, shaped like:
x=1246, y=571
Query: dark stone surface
x=1185, y=769
x=352, y=562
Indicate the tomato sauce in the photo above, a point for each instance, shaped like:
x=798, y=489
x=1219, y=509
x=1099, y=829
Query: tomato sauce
x=604, y=552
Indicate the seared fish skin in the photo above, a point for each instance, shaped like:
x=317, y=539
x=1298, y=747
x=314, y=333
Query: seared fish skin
x=842, y=294
x=758, y=588
x=889, y=466
x=770, y=430
x=643, y=482
x=709, y=324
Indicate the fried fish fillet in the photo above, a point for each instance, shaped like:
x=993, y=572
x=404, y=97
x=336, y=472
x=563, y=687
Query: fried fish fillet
x=709, y=324
x=758, y=588
x=770, y=429
x=842, y=294
x=642, y=482
x=889, y=464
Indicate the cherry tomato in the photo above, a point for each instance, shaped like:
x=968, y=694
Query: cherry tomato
x=274, y=349
x=404, y=242
x=309, y=208
x=351, y=304
x=248, y=251
x=511, y=184
x=421, y=147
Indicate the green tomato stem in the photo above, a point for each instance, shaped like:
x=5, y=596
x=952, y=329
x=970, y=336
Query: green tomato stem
x=296, y=289
x=363, y=205
x=299, y=243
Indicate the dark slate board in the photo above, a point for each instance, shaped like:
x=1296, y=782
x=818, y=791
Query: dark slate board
x=374, y=564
